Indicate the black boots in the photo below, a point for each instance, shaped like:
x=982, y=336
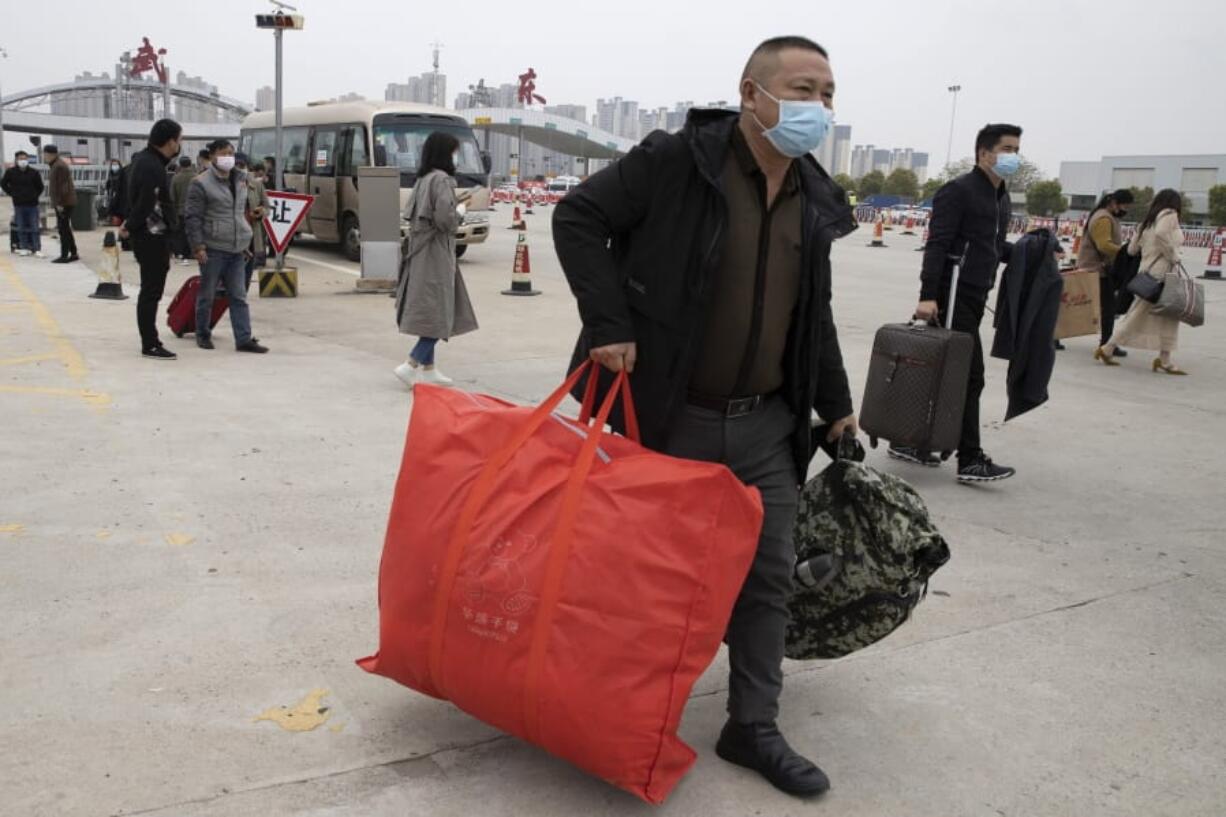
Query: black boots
x=760, y=746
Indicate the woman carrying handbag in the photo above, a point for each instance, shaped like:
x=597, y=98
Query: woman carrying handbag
x=1157, y=240
x=431, y=300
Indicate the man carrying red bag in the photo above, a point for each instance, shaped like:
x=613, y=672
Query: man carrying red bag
x=701, y=265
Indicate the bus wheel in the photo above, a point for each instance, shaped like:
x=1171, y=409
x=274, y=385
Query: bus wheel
x=460, y=249
x=351, y=239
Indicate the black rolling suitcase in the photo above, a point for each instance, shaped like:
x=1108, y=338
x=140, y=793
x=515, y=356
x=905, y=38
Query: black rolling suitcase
x=916, y=388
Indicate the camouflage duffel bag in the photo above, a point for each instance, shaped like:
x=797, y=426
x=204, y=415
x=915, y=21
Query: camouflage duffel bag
x=865, y=549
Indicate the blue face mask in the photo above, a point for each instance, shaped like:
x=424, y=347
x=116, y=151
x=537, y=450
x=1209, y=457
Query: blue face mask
x=1007, y=164
x=802, y=126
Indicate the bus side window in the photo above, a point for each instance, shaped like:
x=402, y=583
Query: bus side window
x=323, y=160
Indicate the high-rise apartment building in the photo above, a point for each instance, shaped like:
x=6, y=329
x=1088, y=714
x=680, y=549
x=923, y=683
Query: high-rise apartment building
x=266, y=98
x=428, y=89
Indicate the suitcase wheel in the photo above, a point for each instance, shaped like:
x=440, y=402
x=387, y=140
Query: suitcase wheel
x=872, y=441
x=179, y=334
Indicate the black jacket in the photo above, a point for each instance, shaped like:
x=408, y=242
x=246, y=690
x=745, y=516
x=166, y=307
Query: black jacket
x=117, y=193
x=25, y=186
x=970, y=218
x=640, y=242
x=147, y=188
x=1027, y=307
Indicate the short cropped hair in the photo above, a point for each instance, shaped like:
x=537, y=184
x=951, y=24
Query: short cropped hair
x=219, y=144
x=989, y=137
x=1122, y=196
x=163, y=131
x=768, y=53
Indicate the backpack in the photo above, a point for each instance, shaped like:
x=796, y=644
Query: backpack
x=865, y=550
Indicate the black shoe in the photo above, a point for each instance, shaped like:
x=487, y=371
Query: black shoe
x=1119, y=352
x=63, y=259
x=159, y=353
x=1060, y=347
x=252, y=346
x=203, y=342
x=760, y=747
x=982, y=469
x=913, y=455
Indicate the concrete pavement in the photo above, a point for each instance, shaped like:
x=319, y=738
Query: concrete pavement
x=185, y=546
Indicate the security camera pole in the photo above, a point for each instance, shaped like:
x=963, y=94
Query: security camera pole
x=278, y=22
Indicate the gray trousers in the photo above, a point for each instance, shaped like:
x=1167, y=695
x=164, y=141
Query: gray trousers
x=757, y=448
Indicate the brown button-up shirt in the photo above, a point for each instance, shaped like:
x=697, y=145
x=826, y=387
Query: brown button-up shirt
x=756, y=284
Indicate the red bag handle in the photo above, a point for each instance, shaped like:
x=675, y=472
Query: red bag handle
x=483, y=487
x=589, y=401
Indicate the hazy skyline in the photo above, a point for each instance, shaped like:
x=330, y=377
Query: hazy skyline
x=1085, y=79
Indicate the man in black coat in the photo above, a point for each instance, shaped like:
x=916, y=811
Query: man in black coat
x=969, y=230
x=701, y=265
x=150, y=222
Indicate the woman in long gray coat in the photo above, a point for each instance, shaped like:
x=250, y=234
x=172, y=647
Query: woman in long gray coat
x=431, y=301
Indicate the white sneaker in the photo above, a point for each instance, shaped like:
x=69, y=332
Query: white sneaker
x=434, y=377
x=406, y=373
x=23, y=253
x=39, y=254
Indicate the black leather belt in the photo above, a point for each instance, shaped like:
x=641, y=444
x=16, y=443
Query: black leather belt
x=730, y=407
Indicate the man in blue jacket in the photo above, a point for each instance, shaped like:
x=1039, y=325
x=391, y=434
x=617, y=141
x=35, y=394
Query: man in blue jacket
x=969, y=228
x=701, y=265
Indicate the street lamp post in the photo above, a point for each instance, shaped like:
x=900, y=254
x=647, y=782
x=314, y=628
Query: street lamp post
x=949, y=151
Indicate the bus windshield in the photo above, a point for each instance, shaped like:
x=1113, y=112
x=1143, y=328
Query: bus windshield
x=398, y=143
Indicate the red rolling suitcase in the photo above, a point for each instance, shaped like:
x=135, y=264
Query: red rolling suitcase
x=181, y=314
x=915, y=393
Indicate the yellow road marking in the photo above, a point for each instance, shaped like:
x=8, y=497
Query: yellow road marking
x=13, y=529
x=97, y=400
x=19, y=361
x=179, y=539
x=73, y=362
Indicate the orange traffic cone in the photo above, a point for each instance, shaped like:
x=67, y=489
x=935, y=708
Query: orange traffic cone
x=528, y=204
x=923, y=241
x=878, y=234
x=910, y=226
x=521, y=270
x=517, y=220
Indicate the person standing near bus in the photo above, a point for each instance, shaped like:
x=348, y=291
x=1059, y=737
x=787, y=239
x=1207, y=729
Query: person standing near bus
x=431, y=300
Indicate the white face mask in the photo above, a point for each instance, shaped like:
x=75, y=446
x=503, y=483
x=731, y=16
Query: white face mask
x=23, y=163
x=455, y=160
x=224, y=163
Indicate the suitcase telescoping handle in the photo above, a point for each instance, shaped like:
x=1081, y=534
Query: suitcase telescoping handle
x=953, y=287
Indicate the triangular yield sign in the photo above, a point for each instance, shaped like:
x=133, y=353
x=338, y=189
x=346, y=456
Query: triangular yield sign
x=285, y=212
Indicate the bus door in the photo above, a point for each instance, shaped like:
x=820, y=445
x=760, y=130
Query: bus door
x=353, y=155
x=322, y=183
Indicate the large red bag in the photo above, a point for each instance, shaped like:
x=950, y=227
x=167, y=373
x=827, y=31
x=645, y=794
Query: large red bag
x=562, y=584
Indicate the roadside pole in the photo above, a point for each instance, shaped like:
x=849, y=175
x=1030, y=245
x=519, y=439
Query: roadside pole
x=279, y=22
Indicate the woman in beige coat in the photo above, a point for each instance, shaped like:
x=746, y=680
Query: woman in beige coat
x=1158, y=240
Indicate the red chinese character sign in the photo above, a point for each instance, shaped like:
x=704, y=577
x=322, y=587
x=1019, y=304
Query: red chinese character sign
x=527, y=88
x=286, y=212
x=149, y=59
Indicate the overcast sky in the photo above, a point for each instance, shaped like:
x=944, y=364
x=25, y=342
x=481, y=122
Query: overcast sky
x=1085, y=78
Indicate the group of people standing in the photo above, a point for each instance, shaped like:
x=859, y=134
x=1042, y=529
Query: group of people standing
x=209, y=215
x=25, y=185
